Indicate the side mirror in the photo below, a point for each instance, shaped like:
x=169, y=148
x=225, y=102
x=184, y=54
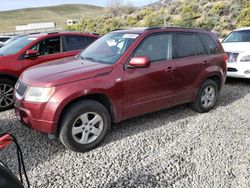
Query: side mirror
x=31, y=54
x=139, y=62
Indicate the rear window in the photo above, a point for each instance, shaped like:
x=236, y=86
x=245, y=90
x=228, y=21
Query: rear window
x=77, y=42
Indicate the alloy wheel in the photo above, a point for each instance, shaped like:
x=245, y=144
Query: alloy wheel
x=6, y=95
x=87, y=128
x=208, y=97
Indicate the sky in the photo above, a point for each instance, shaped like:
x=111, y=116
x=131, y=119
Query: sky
x=17, y=4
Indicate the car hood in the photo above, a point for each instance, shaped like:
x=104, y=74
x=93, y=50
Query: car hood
x=63, y=71
x=239, y=47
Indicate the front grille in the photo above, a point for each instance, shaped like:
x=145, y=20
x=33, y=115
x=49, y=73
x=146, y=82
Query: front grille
x=232, y=57
x=231, y=69
x=21, y=88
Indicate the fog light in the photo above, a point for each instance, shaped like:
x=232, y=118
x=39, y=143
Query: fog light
x=247, y=72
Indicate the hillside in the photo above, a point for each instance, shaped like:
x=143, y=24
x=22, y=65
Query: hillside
x=58, y=14
x=216, y=15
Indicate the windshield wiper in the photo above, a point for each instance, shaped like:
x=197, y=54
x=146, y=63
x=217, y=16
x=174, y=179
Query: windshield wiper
x=90, y=59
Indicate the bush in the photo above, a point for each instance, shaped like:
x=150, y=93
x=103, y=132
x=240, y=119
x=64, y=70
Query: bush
x=244, y=17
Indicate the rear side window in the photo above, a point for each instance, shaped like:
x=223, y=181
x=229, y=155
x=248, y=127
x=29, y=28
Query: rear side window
x=77, y=42
x=209, y=44
x=185, y=45
x=156, y=47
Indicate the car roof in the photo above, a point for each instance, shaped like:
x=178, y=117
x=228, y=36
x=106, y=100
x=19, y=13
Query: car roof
x=243, y=29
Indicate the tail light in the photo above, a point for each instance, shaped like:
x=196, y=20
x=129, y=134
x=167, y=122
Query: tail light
x=225, y=57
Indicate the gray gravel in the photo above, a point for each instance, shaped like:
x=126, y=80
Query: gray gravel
x=172, y=148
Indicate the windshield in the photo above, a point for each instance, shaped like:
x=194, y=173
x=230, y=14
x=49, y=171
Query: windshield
x=109, y=48
x=238, y=36
x=16, y=46
x=12, y=39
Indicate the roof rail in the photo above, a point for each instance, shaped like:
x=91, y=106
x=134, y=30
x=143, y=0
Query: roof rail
x=177, y=27
x=34, y=33
x=54, y=32
x=180, y=27
x=152, y=28
x=93, y=33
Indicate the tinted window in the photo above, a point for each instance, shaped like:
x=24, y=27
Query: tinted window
x=185, y=45
x=209, y=44
x=77, y=42
x=156, y=47
x=48, y=46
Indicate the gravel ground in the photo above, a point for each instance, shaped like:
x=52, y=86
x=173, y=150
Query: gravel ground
x=172, y=148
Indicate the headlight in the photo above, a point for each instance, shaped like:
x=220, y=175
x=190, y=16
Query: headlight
x=39, y=94
x=245, y=58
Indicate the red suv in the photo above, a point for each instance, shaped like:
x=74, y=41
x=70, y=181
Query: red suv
x=34, y=49
x=124, y=74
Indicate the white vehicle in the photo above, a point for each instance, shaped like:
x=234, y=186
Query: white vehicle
x=237, y=47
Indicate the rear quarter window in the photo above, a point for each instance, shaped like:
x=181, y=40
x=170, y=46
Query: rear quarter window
x=209, y=44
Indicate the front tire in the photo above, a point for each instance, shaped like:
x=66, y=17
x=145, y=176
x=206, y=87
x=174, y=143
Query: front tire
x=6, y=94
x=84, y=125
x=207, y=97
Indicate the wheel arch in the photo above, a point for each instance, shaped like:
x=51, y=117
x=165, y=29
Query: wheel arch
x=8, y=76
x=101, y=98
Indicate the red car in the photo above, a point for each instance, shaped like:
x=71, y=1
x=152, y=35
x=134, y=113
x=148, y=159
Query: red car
x=30, y=50
x=124, y=74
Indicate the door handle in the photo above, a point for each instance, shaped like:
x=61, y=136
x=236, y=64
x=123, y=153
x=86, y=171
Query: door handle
x=205, y=62
x=169, y=69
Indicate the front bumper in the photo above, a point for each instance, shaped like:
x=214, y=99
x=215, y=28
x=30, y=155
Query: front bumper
x=238, y=70
x=35, y=116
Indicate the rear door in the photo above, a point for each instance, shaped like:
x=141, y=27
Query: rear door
x=150, y=89
x=49, y=49
x=191, y=59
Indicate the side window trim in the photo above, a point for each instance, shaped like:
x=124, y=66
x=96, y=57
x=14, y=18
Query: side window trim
x=155, y=34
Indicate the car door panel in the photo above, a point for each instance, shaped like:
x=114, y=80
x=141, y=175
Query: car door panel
x=150, y=89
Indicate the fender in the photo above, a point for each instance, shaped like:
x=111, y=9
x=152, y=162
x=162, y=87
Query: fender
x=210, y=71
x=115, y=113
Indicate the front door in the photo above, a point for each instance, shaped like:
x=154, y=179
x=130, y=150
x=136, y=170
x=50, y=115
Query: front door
x=150, y=89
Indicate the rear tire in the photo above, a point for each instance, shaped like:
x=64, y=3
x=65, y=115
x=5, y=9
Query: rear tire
x=207, y=97
x=6, y=94
x=84, y=125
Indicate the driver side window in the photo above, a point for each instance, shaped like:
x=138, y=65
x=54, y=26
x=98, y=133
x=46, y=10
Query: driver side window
x=156, y=47
x=48, y=46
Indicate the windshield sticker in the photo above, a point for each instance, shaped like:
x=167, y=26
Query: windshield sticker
x=130, y=36
x=32, y=38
